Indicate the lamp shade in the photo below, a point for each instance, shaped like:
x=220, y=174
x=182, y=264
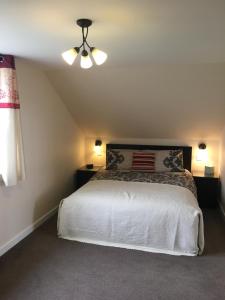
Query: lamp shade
x=98, y=56
x=202, y=154
x=70, y=55
x=98, y=148
x=85, y=61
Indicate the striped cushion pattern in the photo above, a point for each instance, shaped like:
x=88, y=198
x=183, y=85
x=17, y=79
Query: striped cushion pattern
x=143, y=161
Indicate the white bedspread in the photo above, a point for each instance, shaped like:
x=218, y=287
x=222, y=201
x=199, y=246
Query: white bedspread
x=151, y=217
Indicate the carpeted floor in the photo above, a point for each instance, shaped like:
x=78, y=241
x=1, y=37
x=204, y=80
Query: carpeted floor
x=44, y=267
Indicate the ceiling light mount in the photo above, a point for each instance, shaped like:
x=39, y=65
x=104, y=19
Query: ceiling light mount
x=97, y=55
x=84, y=23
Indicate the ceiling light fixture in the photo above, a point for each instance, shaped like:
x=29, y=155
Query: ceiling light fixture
x=87, y=51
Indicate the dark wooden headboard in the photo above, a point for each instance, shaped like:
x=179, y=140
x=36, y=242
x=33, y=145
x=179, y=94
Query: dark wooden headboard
x=187, y=151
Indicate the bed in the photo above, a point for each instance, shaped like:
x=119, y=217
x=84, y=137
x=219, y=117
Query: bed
x=154, y=211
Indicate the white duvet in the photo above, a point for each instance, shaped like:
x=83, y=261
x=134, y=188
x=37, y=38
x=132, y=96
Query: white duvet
x=151, y=217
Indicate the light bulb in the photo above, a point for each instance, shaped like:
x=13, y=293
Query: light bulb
x=85, y=61
x=98, y=55
x=70, y=55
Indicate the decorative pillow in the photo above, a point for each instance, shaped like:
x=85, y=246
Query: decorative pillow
x=143, y=161
x=119, y=159
x=169, y=161
x=165, y=160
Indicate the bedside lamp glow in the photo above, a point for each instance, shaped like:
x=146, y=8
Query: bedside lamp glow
x=98, y=147
x=202, y=154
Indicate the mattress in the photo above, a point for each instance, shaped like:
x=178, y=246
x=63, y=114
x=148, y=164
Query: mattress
x=135, y=210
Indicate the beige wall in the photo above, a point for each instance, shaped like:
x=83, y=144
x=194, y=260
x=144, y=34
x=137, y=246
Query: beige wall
x=213, y=147
x=53, y=149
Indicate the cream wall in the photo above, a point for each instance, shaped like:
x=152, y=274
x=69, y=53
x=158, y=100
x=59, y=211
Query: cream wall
x=53, y=149
x=213, y=148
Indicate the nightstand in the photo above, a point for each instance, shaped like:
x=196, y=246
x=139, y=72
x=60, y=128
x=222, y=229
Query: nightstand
x=83, y=175
x=208, y=190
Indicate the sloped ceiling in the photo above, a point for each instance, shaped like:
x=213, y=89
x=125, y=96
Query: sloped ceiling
x=157, y=101
x=165, y=73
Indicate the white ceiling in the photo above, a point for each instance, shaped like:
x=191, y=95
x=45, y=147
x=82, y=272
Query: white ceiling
x=130, y=31
x=165, y=73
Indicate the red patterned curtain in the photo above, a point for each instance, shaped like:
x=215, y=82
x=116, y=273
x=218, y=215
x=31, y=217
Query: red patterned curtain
x=11, y=154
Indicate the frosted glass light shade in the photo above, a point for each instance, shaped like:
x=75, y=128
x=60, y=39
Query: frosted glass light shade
x=98, y=150
x=70, y=55
x=202, y=155
x=99, y=56
x=85, y=62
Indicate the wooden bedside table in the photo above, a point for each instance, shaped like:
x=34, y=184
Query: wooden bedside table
x=208, y=190
x=83, y=175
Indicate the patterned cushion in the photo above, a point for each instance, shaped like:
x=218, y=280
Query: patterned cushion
x=169, y=161
x=119, y=159
x=165, y=160
x=143, y=161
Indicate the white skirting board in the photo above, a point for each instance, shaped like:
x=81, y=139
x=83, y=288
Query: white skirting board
x=20, y=236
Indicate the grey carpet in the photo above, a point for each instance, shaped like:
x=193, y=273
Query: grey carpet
x=45, y=267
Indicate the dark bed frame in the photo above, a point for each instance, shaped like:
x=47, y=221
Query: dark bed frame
x=187, y=151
